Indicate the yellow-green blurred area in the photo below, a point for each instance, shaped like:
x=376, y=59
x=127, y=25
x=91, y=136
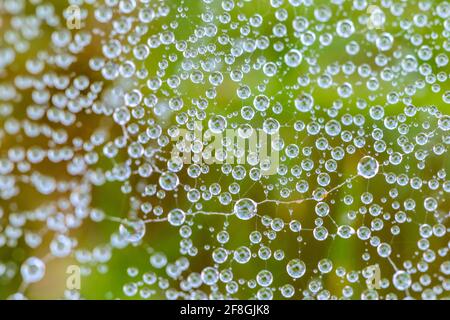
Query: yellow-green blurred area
x=187, y=22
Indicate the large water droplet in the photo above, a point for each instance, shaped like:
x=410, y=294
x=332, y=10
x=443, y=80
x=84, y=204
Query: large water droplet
x=245, y=209
x=368, y=167
x=133, y=230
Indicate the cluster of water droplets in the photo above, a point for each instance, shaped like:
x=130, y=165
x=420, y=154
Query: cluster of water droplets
x=353, y=95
